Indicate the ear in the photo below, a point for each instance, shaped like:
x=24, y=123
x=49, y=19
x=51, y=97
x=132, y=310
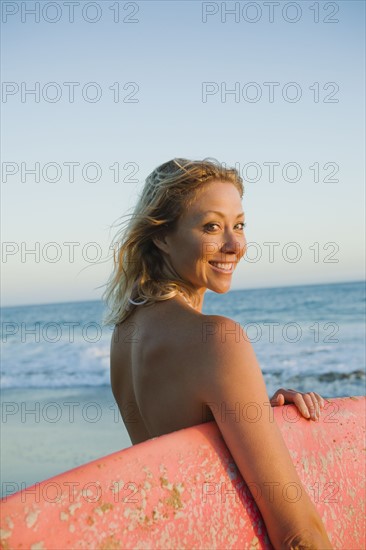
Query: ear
x=160, y=242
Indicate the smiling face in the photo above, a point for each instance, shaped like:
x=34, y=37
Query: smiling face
x=209, y=240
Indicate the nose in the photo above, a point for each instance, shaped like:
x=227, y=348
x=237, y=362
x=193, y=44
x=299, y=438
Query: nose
x=234, y=244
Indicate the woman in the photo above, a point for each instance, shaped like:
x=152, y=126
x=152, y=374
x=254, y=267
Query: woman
x=172, y=366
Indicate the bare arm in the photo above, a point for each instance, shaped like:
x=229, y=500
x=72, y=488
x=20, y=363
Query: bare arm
x=231, y=379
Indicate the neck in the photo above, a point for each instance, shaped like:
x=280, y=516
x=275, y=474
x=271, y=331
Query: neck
x=197, y=307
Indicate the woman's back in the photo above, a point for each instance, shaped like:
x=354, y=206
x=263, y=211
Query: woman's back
x=153, y=362
x=168, y=372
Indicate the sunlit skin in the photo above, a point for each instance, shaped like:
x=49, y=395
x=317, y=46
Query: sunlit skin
x=213, y=230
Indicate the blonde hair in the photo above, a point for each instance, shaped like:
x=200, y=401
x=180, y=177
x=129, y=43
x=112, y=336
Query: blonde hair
x=140, y=272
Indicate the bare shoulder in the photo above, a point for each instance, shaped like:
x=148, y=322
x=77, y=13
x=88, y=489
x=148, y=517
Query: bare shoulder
x=217, y=328
x=226, y=349
x=213, y=334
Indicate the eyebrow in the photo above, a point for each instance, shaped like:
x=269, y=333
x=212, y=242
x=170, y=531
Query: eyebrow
x=220, y=213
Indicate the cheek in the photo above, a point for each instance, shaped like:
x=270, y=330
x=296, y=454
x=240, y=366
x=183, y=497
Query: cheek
x=210, y=246
x=197, y=247
x=189, y=251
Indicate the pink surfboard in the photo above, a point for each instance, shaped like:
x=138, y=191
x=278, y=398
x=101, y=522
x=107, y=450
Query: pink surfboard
x=183, y=491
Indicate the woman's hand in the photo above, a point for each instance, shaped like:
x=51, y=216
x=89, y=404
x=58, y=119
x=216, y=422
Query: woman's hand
x=308, y=404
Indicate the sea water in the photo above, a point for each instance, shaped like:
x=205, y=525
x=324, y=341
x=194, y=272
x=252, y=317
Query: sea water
x=309, y=338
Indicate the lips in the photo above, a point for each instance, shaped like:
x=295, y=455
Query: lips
x=223, y=267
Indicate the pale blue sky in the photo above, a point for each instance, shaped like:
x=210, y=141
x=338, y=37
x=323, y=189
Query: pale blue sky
x=169, y=53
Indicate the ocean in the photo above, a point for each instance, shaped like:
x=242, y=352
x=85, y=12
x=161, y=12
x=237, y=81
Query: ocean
x=310, y=338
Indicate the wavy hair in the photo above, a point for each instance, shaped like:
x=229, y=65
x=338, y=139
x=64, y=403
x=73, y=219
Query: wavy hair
x=140, y=272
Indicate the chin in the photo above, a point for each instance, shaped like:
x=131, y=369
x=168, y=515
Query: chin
x=220, y=290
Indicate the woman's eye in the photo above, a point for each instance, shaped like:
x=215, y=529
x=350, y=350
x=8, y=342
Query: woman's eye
x=209, y=226
x=212, y=226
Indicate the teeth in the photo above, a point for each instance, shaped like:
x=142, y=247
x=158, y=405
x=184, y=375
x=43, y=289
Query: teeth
x=227, y=267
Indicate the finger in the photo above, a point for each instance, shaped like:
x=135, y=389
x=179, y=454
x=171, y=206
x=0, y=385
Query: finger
x=320, y=400
x=316, y=404
x=276, y=394
x=286, y=395
x=312, y=405
x=277, y=400
x=280, y=399
x=299, y=401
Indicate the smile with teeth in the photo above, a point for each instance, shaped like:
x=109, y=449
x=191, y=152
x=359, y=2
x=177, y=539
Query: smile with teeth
x=223, y=267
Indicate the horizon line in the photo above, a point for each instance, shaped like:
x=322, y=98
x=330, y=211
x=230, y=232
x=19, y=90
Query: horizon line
x=231, y=290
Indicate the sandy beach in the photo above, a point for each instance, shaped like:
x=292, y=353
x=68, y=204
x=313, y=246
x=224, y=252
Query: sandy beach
x=47, y=431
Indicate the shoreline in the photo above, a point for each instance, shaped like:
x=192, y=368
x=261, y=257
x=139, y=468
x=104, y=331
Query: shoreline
x=47, y=431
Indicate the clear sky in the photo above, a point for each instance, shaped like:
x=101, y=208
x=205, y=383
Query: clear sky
x=152, y=81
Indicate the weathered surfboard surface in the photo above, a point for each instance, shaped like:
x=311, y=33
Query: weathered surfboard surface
x=183, y=490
